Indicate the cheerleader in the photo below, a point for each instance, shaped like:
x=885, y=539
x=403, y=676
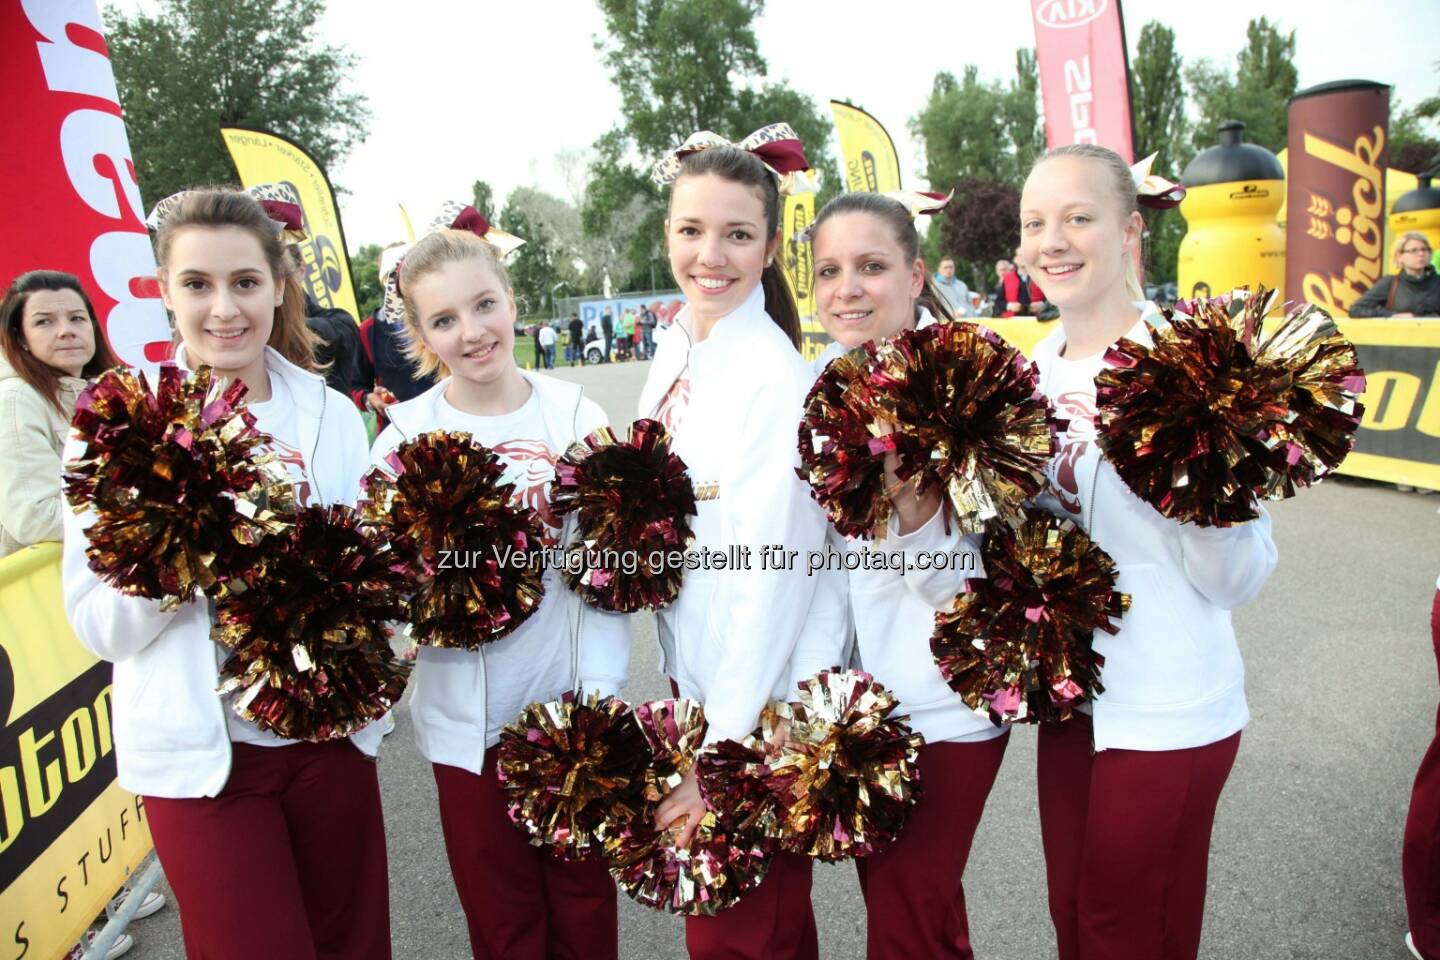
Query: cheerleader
x=520, y=901
x=273, y=847
x=1128, y=792
x=870, y=284
x=729, y=383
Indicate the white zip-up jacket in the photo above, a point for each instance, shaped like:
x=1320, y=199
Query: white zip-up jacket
x=448, y=689
x=32, y=434
x=171, y=738
x=1173, y=676
x=728, y=639
x=893, y=613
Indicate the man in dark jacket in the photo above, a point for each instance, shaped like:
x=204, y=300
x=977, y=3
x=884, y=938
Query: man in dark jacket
x=1413, y=292
x=607, y=327
x=339, y=344
x=577, y=340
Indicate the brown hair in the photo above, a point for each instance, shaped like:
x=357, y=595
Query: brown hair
x=1122, y=190
x=44, y=378
x=737, y=166
x=892, y=213
x=427, y=256
x=219, y=207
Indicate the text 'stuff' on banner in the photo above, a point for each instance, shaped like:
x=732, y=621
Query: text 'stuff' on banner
x=70, y=196
x=264, y=157
x=1084, y=74
x=1335, y=192
x=871, y=164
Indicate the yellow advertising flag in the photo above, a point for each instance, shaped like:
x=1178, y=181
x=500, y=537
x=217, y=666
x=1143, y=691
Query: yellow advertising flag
x=871, y=164
x=794, y=256
x=264, y=157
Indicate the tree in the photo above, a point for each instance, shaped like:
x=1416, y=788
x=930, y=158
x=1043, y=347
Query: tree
x=981, y=226
x=1158, y=112
x=1414, y=143
x=1259, y=94
x=365, y=275
x=970, y=128
x=482, y=198
x=198, y=65
x=550, y=228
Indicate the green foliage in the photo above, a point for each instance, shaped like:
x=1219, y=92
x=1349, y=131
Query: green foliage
x=1158, y=99
x=971, y=128
x=981, y=226
x=1258, y=94
x=198, y=65
x=1414, y=138
x=550, y=228
x=482, y=198
x=365, y=275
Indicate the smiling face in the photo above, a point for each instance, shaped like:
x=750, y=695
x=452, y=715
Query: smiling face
x=465, y=315
x=223, y=294
x=865, y=286
x=718, y=243
x=1075, y=237
x=57, y=330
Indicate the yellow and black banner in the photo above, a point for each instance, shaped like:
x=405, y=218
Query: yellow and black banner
x=69, y=835
x=871, y=164
x=264, y=157
x=799, y=266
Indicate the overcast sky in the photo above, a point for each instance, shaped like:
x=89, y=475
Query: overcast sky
x=487, y=90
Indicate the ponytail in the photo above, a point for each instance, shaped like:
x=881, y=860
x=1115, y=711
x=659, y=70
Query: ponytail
x=780, y=304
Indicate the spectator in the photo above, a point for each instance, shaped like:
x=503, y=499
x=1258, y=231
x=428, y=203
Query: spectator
x=1413, y=291
x=953, y=289
x=577, y=340
x=627, y=334
x=648, y=340
x=1012, y=295
x=338, y=352
x=386, y=374
x=607, y=327
x=1036, y=298
x=545, y=340
x=51, y=343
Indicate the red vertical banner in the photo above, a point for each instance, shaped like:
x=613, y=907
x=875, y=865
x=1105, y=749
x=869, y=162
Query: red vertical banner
x=1084, y=76
x=67, y=180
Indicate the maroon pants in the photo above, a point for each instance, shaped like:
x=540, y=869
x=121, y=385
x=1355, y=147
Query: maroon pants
x=1420, y=863
x=1127, y=842
x=914, y=898
x=521, y=902
x=775, y=921
x=287, y=862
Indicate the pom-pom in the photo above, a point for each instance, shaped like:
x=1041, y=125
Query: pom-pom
x=1020, y=641
x=846, y=776
x=481, y=554
x=957, y=405
x=179, y=482
x=569, y=768
x=733, y=775
x=633, y=502
x=1230, y=406
x=310, y=651
x=841, y=456
x=717, y=868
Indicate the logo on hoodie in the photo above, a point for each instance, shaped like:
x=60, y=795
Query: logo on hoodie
x=1078, y=406
x=530, y=468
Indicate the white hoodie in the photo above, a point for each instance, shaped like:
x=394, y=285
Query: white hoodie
x=1173, y=676
x=449, y=688
x=729, y=637
x=893, y=613
x=171, y=734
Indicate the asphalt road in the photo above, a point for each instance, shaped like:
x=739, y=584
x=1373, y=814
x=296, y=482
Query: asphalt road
x=1306, y=857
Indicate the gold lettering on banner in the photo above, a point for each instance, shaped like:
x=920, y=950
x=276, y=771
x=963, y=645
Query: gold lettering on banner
x=1394, y=394
x=1429, y=420
x=1360, y=228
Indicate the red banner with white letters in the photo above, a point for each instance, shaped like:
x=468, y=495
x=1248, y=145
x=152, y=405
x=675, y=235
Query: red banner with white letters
x=1080, y=49
x=67, y=180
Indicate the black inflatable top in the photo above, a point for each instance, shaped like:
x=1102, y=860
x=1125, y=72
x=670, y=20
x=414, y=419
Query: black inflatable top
x=1232, y=160
x=1423, y=197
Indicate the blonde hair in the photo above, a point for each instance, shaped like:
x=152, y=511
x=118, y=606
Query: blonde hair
x=1122, y=191
x=220, y=207
x=427, y=256
x=1400, y=242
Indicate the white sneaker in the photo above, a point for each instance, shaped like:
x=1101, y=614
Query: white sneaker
x=1410, y=942
x=154, y=901
x=118, y=949
x=388, y=724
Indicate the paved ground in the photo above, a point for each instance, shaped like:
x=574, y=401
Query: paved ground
x=1306, y=859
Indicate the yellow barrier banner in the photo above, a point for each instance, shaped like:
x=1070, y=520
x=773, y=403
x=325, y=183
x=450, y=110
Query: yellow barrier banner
x=264, y=157
x=871, y=164
x=69, y=835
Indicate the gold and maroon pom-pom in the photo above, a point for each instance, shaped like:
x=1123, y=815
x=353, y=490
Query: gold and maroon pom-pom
x=1230, y=406
x=846, y=776
x=310, y=655
x=633, y=503
x=734, y=775
x=480, y=553
x=718, y=867
x=841, y=455
x=569, y=768
x=179, y=482
x=1019, y=643
x=968, y=418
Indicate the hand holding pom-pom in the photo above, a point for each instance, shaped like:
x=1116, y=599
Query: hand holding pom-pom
x=1229, y=407
x=1020, y=641
x=479, y=553
x=310, y=655
x=179, y=481
x=842, y=455
x=632, y=500
x=569, y=768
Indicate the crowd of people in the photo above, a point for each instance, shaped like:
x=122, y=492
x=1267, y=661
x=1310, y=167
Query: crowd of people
x=298, y=826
